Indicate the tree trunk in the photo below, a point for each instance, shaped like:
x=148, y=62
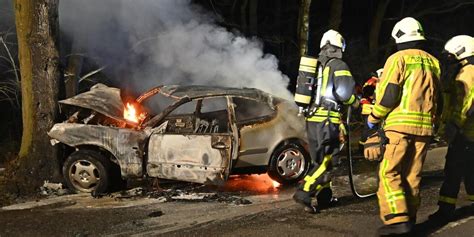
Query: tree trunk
x=72, y=73
x=37, y=32
x=303, y=26
x=377, y=25
x=336, y=14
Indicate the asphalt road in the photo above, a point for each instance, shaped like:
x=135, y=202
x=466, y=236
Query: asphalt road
x=246, y=206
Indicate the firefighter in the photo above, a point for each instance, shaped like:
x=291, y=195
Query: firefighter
x=323, y=122
x=367, y=102
x=458, y=88
x=406, y=99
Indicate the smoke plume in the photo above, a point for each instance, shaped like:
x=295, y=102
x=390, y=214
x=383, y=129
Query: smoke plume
x=147, y=43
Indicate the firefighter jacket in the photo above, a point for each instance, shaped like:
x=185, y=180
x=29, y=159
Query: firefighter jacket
x=407, y=93
x=459, y=104
x=337, y=86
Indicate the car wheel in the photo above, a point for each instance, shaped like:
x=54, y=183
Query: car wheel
x=289, y=163
x=87, y=171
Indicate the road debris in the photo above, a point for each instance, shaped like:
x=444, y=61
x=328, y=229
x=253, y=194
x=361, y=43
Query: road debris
x=184, y=192
x=49, y=189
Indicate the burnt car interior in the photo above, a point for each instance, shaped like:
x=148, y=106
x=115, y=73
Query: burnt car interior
x=248, y=111
x=200, y=116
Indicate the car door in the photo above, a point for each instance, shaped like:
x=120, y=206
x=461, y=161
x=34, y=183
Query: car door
x=256, y=124
x=194, y=143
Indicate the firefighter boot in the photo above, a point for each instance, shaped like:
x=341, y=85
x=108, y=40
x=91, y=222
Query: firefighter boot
x=325, y=198
x=397, y=229
x=444, y=214
x=304, y=198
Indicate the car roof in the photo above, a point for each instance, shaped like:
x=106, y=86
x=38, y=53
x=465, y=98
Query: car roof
x=198, y=91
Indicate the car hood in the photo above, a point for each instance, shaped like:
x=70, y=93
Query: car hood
x=100, y=98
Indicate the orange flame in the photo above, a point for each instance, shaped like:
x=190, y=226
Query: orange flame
x=130, y=113
x=275, y=184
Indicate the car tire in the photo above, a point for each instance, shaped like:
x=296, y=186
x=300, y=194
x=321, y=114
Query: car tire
x=289, y=163
x=87, y=171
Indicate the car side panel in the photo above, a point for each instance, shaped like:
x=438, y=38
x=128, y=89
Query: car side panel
x=126, y=145
x=203, y=158
x=258, y=141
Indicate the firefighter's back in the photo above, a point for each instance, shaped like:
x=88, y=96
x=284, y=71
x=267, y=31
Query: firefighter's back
x=415, y=73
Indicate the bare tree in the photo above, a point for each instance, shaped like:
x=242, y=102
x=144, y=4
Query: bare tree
x=37, y=32
x=303, y=26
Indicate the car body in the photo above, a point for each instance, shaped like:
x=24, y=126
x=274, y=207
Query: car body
x=198, y=134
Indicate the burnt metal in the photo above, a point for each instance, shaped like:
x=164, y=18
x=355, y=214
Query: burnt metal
x=126, y=145
x=101, y=98
x=203, y=152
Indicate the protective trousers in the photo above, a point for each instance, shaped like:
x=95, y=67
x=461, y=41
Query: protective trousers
x=400, y=176
x=323, y=140
x=459, y=165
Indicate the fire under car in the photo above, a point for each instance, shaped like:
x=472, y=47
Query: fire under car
x=199, y=134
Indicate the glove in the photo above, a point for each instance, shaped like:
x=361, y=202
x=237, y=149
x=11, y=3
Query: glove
x=342, y=133
x=371, y=125
x=374, y=147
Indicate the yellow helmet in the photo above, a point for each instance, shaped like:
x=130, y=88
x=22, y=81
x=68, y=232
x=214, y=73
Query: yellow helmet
x=461, y=46
x=333, y=38
x=408, y=29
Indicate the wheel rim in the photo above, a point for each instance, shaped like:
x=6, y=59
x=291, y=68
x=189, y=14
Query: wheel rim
x=291, y=163
x=84, y=175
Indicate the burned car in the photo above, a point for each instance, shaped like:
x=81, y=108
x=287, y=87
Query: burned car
x=196, y=134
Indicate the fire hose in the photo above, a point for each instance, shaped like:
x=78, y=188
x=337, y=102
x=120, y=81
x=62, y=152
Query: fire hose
x=350, y=158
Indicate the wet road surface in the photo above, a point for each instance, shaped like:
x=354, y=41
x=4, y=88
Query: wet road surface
x=246, y=206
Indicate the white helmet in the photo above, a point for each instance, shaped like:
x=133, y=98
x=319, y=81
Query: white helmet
x=408, y=29
x=461, y=46
x=333, y=37
x=379, y=72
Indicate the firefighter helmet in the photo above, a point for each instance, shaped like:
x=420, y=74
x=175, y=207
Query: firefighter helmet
x=461, y=46
x=379, y=72
x=408, y=29
x=333, y=38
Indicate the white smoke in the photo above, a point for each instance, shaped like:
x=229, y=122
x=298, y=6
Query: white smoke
x=152, y=42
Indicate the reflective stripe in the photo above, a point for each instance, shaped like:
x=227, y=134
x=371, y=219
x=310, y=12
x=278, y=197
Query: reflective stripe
x=409, y=123
x=366, y=109
x=421, y=114
x=396, y=195
x=380, y=111
x=416, y=119
x=351, y=100
x=340, y=73
x=307, y=69
x=322, y=114
x=327, y=185
x=343, y=129
x=470, y=197
x=325, y=80
x=388, y=190
x=307, y=61
x=321, y=119
x=304, y=99
x=310, y=179
x=407, y=90
x=449, y=200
